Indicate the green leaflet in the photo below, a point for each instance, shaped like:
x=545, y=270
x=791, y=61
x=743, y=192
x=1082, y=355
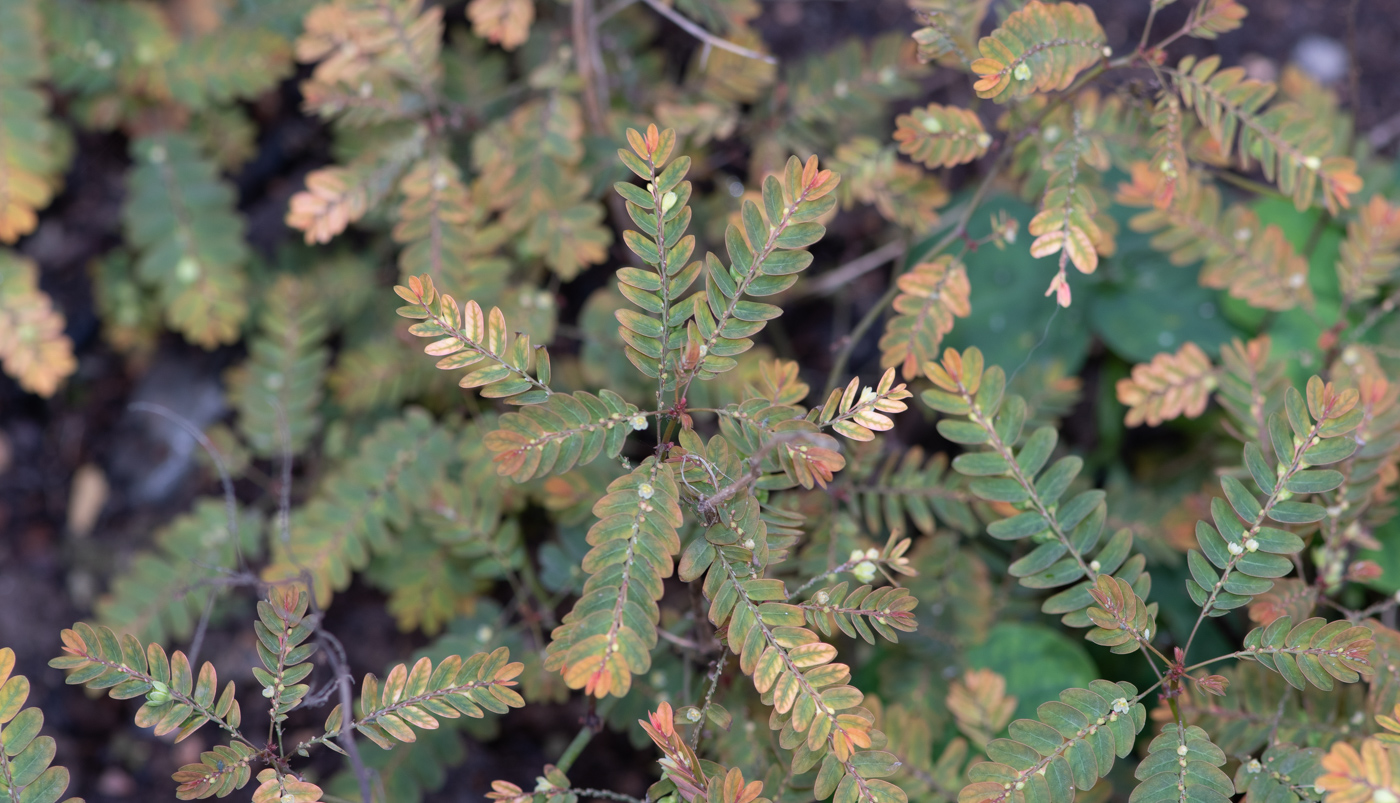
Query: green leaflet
x=1183, y=766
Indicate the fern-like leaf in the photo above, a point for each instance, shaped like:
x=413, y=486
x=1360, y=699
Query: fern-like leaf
x=176, y=702
x=381, y=374
x=278, y=390
x=131, y=43
x=941, y=136
x=860, y=417
x=902, y=193
x=817, y=714
x=1170, y=386
x=30, y=158
x=663, y=246
x=218, y=773
x=277, y=787
x=1182, y=765
x=862, y=611
x=391, y=47
x=415, y=698
x=333, y=199
x=910, y=736
x=181, y=215
x=337, y=196
x=1255, y=264
x=1371, y=252
x=1291, y=147
x=1071, y=744
x=502, y=22
x=854, y=80
x=1248, y=553
x=25, y=759
x=1122, y=621
x=1066, y=223
x=1039, y=48
x=608, y=636
x=282, y=628
x=932, y=295
x=684, y=771
x=950, y=30
x=1168, y=141
x=681, y=767
x=1248, y=384
x=1378, y=438
x=1213, y=17
x=231, y=63
x=980, y=705
x=468, y=336
x=765, y=257
x=562, y=432
x=1067, y=533
x=164, y=590
x=33, y=348
x=1315, y=651
x=441, y=231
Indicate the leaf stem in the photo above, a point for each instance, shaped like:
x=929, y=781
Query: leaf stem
x=705, y=36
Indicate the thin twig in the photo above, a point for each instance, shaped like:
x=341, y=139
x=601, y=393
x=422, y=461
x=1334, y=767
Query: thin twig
x=836, y=280
x=715, y=672
x=1384, y=132
x=680, y=641
x=585, y=52
x=344, y=681
x=200, y=630
x=1377, y=312
x=608, y=12
x=845, y=567
x=230, y=505
x=705, y=36
x=1353, y=62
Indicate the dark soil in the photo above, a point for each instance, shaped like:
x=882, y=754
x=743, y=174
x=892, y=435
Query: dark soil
x=49, y=579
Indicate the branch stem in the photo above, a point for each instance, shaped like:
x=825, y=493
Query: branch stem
x=705, y=36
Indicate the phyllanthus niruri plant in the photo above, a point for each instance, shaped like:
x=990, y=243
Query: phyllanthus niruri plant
x=775, y=588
